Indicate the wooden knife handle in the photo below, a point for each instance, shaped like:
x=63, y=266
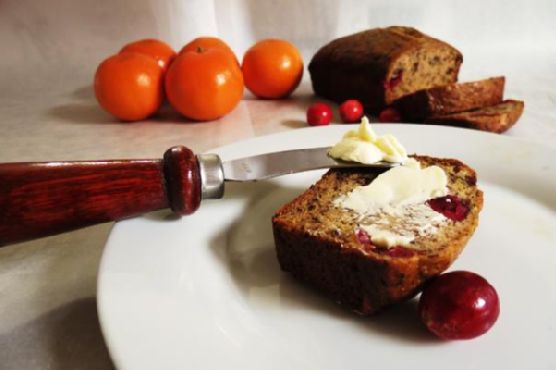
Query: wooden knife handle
x=47, y=198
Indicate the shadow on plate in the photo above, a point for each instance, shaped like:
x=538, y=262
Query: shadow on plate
x=399, y=322
x=246, y=248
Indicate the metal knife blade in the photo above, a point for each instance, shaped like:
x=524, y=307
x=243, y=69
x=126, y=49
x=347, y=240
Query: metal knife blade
x=268, y=165
x=264, y=166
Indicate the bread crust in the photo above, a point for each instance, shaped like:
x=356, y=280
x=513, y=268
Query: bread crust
x=317, y=242
x=497, y=118
x=360, y=66
x=453, y=98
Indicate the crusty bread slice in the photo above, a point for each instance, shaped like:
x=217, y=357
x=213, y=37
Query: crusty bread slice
x=497, y=118
x=457, y=97
x=321, y=244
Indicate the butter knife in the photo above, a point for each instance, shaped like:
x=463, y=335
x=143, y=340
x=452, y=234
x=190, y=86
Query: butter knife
x=46, y=198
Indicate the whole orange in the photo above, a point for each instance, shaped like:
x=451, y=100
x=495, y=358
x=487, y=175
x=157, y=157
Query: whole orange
x=204, y=84
x=129, y=86
x=272, y=68
x=154, y=48
x=207, y=42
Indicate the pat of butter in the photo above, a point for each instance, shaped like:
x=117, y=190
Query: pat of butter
x=392, y=208
x=365, y=146
x=406, y=184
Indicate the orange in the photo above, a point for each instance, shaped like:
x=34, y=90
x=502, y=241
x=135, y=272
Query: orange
x=204, y=84
x=205, y=43
x=129, y=86
x=154, y=48
x=272, y=68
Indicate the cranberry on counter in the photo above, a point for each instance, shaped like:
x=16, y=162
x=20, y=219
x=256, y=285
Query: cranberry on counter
x=389, y=115
x=319, y=114
x=459, y=305
x=351, y=111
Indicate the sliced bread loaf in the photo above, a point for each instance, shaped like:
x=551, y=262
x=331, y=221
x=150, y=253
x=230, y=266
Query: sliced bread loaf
x=457, y=97
x=497, y=118
x=324, y=245
x=380, y=65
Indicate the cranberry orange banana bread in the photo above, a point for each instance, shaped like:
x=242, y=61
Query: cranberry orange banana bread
x=326, y=246
x=497, y=118
x=380, y=65
x=457, y=97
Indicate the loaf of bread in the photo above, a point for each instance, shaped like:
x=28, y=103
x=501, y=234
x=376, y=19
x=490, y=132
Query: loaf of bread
x=497, y=118
x=323, y=245
x=380, y=65
x=452, y=98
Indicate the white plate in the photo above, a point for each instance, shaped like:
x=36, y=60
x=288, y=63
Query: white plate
x=206, y=292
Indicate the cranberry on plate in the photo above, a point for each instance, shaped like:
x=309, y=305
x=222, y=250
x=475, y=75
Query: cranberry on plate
x=459, y=305
x=319, y=114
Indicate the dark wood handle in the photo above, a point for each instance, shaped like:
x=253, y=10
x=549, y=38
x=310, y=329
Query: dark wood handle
x=47, y=198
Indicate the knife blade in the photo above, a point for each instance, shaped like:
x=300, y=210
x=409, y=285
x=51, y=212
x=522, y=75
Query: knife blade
x=264, y=166
x=214, y=172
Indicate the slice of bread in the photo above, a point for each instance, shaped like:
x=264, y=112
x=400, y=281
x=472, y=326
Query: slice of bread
x=323, y=245
x=380, y=65
x=497, y=118
x=458, y=97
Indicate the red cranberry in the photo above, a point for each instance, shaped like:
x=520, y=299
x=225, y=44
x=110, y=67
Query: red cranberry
x=351, y=111
x=459, y=305
x=450, y=206
x=389, y=115
x=365, y=240
x=363, y=237
x=471, y=180
x=319, y=114
x=394, y=80
x=399, y=251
